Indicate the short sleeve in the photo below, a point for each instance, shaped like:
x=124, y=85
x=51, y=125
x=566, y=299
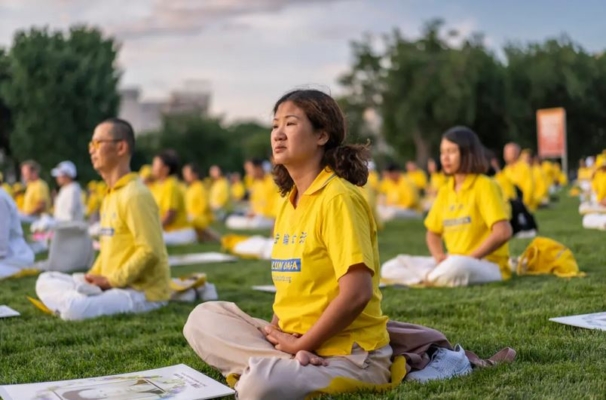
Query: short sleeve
x=490, y=203
x=434, y=220
x=347, y=233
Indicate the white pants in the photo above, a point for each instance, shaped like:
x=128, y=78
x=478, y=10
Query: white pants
x=180, y=237
x=388, y=213
x=242, y=222
x=23, y=260
x=594, y=221
x=73, y=299
x=255, y=246
x=591, y=208
x=452, y=272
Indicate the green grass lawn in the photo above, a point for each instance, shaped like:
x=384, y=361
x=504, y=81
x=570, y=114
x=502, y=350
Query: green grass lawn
x=554, y=361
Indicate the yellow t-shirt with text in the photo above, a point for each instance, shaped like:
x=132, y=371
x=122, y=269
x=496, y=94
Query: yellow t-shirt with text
x=315, y=244
x=464, y=219
x=133, y=254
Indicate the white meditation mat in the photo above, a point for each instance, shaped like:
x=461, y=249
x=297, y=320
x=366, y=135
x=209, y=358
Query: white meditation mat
x=199, y=258
x=178, y=382
x=589, y=321
x=6, y=311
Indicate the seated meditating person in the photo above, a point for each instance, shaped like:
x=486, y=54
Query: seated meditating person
x=15, y=253
x=595, y=211
x=468, y=216
x=171, y=201
x=131, y=272
x=541, y=182
x=584, y=175
x=327, y=320
x=237, y=188
x=437, y=179
x=400, y=196
x=219, y=192
x=68, y=205
x=197, y=206
x=36, y=200
x=416, y=175
x=262, y=199
x=518, y=171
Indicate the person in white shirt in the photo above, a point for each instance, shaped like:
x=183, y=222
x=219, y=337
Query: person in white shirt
x=68, y=203
x=15, y=253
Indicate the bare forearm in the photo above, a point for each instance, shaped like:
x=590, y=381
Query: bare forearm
x=434, y=244
x=339, y=314
x=492, y=243
x=168, y=218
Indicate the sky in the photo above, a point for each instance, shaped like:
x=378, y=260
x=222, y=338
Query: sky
x=250, y=52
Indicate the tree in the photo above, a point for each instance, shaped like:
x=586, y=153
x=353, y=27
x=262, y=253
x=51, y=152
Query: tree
x=5, y=114
x=196, y=139
x=61, y=87
x=423, y=87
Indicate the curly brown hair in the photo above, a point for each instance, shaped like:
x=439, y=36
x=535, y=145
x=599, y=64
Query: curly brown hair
x=348, y=161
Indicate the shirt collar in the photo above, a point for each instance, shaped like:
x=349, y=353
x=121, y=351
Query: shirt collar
x=123, y=181
x=325, y=176
x=467, y=183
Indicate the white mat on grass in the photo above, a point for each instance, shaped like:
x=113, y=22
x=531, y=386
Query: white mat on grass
x=589, y=321
x=6, y=311
x=199, y=258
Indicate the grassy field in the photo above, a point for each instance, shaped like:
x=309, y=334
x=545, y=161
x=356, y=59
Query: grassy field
x=554, y=361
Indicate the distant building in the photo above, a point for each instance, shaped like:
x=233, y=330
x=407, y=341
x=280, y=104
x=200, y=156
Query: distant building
x=146, y=116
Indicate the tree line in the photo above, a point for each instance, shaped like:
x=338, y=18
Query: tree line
x=56, y=86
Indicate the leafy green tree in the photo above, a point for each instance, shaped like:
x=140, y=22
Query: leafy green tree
x=61, y=86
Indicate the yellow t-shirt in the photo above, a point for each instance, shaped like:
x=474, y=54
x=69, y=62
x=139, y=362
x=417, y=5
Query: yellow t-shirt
x=507, y=187
x=437, y=180
x=400, y=193
x=521, y=176
x=373, y=180
x=132, y=248
x=8, y=189
x=598, y=184
x=315, y=244
x=465, y=219
x=584, y=174
x=548, y=170
x=370, y=195
x=35, y=193
x=219, y=194
x=419, y=178
x=169, y=196
x=238, y=191
x=263, y=194
x=541, y=186
x=196, y=204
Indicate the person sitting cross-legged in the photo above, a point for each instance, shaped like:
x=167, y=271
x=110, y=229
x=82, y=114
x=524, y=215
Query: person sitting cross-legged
x=469, y=215
x=15, y=254
x=131, y=273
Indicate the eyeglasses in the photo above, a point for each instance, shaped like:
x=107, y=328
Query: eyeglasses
x=94, y=144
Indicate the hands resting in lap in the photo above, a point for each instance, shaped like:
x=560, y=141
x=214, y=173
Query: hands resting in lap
x=290, y=343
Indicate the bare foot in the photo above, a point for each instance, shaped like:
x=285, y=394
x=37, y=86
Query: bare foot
x=306, y=357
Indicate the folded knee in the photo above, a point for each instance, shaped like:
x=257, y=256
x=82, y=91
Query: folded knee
x=200, y=320
x=261, y=382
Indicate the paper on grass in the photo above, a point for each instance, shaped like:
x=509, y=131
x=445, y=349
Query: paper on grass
x=272, y=288
x=6, y=311
x=199, y=258
x=589, y=321
x=178, y=382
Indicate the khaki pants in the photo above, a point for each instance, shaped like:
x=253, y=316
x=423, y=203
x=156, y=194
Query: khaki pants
x=231, y=341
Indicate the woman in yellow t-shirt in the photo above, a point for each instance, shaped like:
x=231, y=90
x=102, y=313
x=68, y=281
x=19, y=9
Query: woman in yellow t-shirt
x=197, y=205
x=325, y=266
x=170, y=200
x=468, y=216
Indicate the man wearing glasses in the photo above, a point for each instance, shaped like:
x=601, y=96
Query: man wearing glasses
x=131, y=273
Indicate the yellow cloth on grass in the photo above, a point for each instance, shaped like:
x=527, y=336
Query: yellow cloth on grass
x=546, y=256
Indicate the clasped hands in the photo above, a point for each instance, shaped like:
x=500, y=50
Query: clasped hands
x=291, y=344
x=98, y=280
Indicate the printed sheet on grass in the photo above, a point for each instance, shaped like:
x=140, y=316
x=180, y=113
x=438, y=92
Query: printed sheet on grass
x=178, y=382
x=589, y=321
